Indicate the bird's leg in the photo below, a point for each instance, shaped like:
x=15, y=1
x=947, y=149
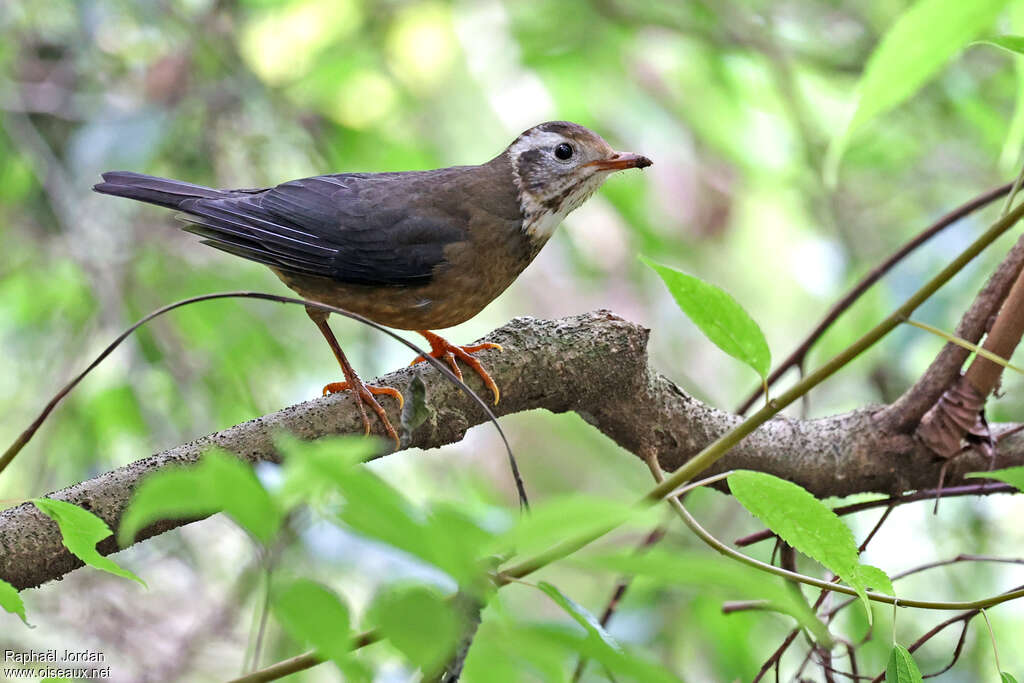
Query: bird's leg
x=364, y=392
x=440, y=348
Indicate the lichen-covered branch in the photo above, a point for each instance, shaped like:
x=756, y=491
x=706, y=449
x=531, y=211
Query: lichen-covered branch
x=594, y=364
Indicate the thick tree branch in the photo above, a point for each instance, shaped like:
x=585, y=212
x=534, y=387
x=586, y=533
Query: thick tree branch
x=594, y=364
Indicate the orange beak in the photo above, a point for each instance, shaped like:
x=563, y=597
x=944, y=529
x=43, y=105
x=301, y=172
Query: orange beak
x=620, y=161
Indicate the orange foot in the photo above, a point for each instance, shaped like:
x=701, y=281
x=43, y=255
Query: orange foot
x=443, y=349
x=366, y=393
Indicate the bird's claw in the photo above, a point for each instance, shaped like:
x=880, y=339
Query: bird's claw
x=440, y=348
x=366, y=394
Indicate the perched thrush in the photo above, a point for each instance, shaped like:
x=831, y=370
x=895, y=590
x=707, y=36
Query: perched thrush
x=414, y=250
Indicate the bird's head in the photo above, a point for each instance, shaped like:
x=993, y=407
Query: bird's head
x=556, y=166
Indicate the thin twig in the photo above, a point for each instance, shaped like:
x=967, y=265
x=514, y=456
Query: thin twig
x=956, y=652
x=307, y=660
x=875, y=528
x=800, y=352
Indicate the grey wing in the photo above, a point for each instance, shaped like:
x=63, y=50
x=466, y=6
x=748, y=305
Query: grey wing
x=354, y=228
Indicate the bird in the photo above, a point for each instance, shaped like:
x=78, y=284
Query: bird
x=410, y=250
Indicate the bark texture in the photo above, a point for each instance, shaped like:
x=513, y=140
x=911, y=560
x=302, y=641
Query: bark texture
x=594, y=364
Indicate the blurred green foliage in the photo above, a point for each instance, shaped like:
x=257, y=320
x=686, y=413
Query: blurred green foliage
x=735, y=103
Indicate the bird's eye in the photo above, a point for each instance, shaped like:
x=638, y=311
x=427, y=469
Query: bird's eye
x=563, y=151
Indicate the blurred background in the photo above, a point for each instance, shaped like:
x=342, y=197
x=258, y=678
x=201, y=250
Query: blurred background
x=734, y=101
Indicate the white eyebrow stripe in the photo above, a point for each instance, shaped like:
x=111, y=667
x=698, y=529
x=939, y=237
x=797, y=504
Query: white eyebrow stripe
x=536, y=138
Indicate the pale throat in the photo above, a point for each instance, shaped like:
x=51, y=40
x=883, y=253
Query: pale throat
x=540, y=221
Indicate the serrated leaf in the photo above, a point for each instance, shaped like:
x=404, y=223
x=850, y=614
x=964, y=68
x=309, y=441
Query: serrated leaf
x=219, y=482
x=580, y=614
x=714, y=573
x=807, y=524
x=910, y=53
x=313, y=614
x=80, y=531
x=1006, y=678
x=719, y=316
x=11, y=601
x=1014, y=476
x=1013, y=44
x=798, y=518
x=419, y=622
x=901, y=668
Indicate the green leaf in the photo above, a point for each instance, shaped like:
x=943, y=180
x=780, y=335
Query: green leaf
x=1013, y=44
x=719, y=316
x=506, y=649
x=80, y=531
x=875, y=579
x=568, y=516
x=313, y=614
x=11, y=600
x=458, y=543
x=617, y=661
x=807, y=524
x=305, y=479
x=901, y=668
x=1014, y=476
x=503, y=652
x=1006, y=678
x=375, y=509
x=718, y=574
x=419, y=622
x=219, y=482
x=582, y=616
x=911, y=52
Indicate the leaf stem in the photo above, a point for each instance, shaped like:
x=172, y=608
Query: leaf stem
x=963, y=343
x=1013, y=192
x=992, y=637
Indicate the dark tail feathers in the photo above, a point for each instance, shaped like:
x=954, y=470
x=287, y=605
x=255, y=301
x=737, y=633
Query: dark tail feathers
x=147, y=188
